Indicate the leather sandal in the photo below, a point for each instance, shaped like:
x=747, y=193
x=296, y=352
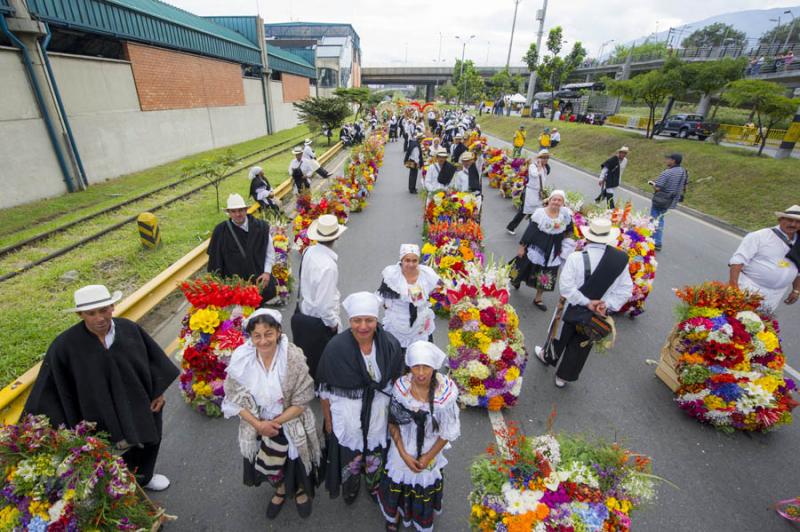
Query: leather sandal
x=275, y=508
x=541, y=306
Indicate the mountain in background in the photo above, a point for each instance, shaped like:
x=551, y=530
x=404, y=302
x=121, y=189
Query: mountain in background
x=754, y=22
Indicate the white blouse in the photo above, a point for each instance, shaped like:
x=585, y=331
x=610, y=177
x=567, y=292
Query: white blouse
x=396, y=316
x=446, y=413
x=552, y=226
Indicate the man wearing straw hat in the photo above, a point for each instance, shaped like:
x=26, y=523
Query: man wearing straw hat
x=300, y=170
x=309, y=155
x=241, y=246
x=594, y=282
x=457, y=148
x=316, y=319
x=108, y=371
x=767, y=260
x=611, y=175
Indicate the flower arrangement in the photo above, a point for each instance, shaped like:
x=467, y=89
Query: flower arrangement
x=557, y=483
x=309, y=210
x=730, y=363
x=495, y=162
x=281, y=270
x=487, y=354
x=63, y=480
x=212, y=330
x=451, y=206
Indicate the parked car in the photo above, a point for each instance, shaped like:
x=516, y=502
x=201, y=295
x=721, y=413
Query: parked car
x=685, y=126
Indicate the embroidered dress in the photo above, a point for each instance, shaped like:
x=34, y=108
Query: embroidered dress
x=408, y=314
x=417, y=497
x=547, y=236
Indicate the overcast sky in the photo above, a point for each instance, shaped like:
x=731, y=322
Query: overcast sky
x=407, y=32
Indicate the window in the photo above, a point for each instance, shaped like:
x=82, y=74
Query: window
x=327, y=78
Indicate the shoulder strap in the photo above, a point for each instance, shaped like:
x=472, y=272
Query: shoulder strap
x=783, y=237
x=587, y=266
x=235, y=238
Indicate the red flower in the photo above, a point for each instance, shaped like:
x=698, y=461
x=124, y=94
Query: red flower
x=489, y=317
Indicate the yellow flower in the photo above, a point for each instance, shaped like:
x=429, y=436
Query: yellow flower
x=769, y=383
x=713, y=402
x=512, y=374
x=513, y=319
x=770, y=340
x=455, y=338
x=39, y=508
x=206, y=320
x=8, y=517
x=428, y=248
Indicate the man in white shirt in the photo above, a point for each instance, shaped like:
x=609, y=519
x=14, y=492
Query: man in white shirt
x=309, y=155
x=607, y=289
x=300, y=170
x=767, y=260
x=432, y=183
x=316, y=320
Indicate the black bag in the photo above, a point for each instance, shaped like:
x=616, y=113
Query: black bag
x=588, y=323
x=662, y=200
x=520, y=270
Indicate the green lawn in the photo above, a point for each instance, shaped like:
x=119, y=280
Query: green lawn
x=732, y=184
x=32, y=302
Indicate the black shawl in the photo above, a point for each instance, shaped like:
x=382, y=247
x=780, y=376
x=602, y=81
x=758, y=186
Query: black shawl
x=458, y=149
x=387, y=293
x=256, y=184
x=82, y=380
x=474, y=179
x=446, y=173
x=224, y=256
x=411, y=145
x=613, y=166
x=343, y=372
x=546, y=243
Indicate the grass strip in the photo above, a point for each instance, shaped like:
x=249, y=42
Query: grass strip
x=732, y=184
x=33, y=303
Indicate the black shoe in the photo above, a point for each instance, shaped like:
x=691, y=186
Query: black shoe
x=658, y=248
x=303, y=509
x=412, y=191
x=274, y=509
x=541, y=306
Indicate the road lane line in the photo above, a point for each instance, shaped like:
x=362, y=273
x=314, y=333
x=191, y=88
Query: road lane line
x=498, y=426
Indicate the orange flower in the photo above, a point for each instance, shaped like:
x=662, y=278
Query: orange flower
x=496, y=403
x=542, y=511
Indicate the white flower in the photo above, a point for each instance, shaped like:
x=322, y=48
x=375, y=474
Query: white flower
x=496, y=350
x=517, y=388
x=548, y=446
x=56, y=510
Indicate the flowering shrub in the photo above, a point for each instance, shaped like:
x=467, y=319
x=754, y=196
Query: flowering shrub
x=731, y=364
x=61, y=480
x=557, y=483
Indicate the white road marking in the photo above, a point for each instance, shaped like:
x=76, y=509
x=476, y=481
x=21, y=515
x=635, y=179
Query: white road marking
x=498, y=425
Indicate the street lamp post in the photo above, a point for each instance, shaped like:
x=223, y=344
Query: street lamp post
x=791, y=28
x=463, y=51
x=513, y=25
x=602, y=47
x=540, y=15
x=774, y=34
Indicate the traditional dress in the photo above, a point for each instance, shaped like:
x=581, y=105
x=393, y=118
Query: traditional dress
x=112, y=385
x=407, y=309
x=766, y=267
x=243, y=250
x=358, y=388
x=417, y=497
x=611, y=176
x=413, y=155
x=468, y=180
x=293, y=456
x=547, y=242
x=609, y=280
x=261, y=190
x=440, y=177
x=531, y=195
x=456, y=150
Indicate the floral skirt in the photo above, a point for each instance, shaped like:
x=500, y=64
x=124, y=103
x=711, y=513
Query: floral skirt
x=416, y=505
x=344, y=468
x=543, y=277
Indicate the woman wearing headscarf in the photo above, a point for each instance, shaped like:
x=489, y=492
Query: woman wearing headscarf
x=269, y=388
x=354, y=381
x=260, y=189
x=423, y=420
x=546, y=243
x=533, y=191
x=405, y=291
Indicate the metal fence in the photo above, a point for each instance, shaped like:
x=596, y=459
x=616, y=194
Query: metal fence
x=747, y=136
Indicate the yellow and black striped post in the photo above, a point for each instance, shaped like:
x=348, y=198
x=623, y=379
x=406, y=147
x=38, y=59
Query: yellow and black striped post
x=149, y=232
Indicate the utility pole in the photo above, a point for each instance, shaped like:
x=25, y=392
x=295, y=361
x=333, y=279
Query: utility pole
x=791, y=28
x=461, y=74
x=439, y=57
x=513, y=25
x=540, y=15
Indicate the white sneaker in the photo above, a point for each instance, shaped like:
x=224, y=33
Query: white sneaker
x=157, y=483
x=510, y=232
x=560, y=383
x=540, y=355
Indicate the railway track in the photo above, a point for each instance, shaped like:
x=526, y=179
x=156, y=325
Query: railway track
x=275, y=151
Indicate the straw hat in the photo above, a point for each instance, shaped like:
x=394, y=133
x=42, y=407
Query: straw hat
x=600, y=231
x=325, y=228
x=94, y=296
x=235, y=201
x=297, y=151
x=624, y=148
x=543, y=153
x=792, y=212
x=307, y=142
x=467, y=156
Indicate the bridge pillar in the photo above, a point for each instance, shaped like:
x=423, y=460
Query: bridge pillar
x=429, y=92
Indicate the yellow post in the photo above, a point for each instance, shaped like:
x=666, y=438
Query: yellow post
x=149, y=232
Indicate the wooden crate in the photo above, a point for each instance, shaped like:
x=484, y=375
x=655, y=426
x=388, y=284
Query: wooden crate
x=665, y=370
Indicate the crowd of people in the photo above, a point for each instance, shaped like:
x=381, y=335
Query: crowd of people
x=388, y=411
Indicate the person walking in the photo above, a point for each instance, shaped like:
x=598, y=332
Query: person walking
x=519, y=142
x=534, y=189
x=611, y=175
x=268, y=387
x=767, y=260
x=413, y=161
x=669, y=189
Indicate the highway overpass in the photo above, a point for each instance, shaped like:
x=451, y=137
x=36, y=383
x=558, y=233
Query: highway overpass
x=428, y=76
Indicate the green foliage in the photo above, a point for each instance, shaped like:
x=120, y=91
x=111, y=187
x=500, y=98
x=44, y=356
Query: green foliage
x=778, y=34
x=470, y=85
x=486, y=475
x=707, y=77
x=767, y=101
x=356, y=96
x=717, y=34
x=592, y=450
x=695, y=374
x=447, y=92
x=502, y=83
x=641, y=51
x=651, y=88
x=317, y=113
x=554, y=70
x=213, y=169
x=530, y=57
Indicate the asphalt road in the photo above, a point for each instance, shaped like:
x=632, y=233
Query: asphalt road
x=725, y=483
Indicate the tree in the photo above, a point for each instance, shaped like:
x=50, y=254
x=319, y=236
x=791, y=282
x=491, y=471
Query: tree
x=709, y=77
x=767, y=101
x=531, y=56
x=320, y=113
x=470, y=85
x=356, y=96
x=716, y=34
x=651, y=88
x=642, y=51
x=553, y=69
x=447, y=92
x=214, y=170
x=778, y=34
x=501, y=83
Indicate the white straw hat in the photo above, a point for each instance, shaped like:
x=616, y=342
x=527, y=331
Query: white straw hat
x=94, y=296
x=235, y=201
x=600, y=231
x=792, y=212
x=326, y=228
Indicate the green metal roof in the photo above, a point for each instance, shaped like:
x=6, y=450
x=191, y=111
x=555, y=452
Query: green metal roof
x=246, y=26
x=5, y=7
x=149, y=21
x=284, y=61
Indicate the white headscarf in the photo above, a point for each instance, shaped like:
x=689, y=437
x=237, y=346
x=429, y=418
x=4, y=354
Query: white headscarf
x=361, y=304
x=263, y=312
x=254, y=171
x=424, y=353
x=265, y=384
x=409, y=249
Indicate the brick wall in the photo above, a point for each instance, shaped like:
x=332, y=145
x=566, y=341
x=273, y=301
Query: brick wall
x=295, y=88
x=173, y=80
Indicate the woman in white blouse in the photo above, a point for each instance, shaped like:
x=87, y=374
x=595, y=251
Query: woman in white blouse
x=546, y=243
x=405, y=292
x=423, y=420
x=269, y=388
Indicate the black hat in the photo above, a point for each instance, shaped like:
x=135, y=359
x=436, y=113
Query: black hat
x=677, y=157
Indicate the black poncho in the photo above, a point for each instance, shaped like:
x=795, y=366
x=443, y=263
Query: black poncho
x=225, y=258
x=82, y=380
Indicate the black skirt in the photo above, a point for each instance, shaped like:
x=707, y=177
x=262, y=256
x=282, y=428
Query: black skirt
x=295, y=477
